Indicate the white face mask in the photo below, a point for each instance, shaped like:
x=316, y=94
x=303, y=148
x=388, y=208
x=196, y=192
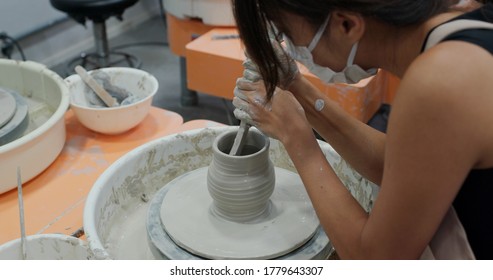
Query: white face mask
x=351, y=74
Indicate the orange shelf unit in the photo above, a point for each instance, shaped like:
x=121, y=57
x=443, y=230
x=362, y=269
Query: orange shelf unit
x=182, y=31
x=214, y=65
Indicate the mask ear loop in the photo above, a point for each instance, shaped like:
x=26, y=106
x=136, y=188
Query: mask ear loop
x=352, y=54
x=274, y=33
x=318, y=35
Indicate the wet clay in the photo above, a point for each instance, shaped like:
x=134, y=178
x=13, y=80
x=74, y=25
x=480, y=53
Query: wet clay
x=232, y=215
x=188, y=220
x=240, y=186
x=122, y=96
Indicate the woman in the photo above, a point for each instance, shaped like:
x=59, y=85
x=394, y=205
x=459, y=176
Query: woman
x=434, y=164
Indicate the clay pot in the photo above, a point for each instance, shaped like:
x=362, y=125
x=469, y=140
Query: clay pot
x=241, y=186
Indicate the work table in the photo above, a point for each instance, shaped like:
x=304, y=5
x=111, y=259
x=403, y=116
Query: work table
x=54, y=200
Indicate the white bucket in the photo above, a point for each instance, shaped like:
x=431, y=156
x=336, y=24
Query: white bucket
x=39, y=147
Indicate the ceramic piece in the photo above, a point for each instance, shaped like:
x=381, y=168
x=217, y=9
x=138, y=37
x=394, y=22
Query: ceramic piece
x=240, y=186
x=287, y=225
x=7, y=107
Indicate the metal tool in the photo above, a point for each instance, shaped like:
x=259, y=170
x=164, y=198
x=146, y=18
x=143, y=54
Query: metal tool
x=244, y=127
x=21, y=214
x=97, y=88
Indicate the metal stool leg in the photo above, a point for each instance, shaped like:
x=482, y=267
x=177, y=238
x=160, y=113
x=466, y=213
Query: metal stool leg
x=188, y=97
x=103, y=56
x=101, y=43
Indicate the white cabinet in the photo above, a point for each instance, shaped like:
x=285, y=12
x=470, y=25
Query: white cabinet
x=211, y=12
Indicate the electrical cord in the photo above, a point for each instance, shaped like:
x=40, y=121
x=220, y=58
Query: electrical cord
x=8, y=41
x=162, y=12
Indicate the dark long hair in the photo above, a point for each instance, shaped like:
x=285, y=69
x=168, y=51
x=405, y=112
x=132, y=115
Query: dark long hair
x=254, y=19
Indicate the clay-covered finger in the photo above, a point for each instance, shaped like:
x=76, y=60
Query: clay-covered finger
x=241, y=94
x=242, y=115
x=241, y=104
x=251, y=75
x=249, y=64
x=245, y=84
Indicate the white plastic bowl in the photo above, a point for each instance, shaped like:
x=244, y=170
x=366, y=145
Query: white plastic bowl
x=36, y=150
x=114, y=120
x=46, y=247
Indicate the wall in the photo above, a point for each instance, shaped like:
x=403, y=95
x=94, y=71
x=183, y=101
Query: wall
x=56, y=40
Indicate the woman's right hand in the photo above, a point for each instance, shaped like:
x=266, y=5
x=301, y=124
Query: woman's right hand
x=287, y=74
x=281, y=117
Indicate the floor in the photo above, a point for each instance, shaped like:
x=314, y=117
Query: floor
x=148, y=42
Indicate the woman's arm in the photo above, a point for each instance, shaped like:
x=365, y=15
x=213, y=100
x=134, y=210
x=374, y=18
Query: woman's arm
x=438, y=131
x=434, y=139
x=359, y=144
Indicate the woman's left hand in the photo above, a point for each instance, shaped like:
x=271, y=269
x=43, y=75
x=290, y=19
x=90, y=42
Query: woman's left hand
x=281, y=118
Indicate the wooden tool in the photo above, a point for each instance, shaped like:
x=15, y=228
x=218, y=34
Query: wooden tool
x=97, y=88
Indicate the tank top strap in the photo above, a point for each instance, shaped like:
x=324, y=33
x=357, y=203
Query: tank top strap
x=444, y=30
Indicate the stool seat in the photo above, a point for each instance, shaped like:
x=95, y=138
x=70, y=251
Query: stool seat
x=95, y=10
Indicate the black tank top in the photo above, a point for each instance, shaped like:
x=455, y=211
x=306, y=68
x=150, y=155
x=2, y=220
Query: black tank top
x=474, y=202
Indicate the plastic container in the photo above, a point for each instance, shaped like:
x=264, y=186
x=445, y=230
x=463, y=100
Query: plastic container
x=44, y=139
x=46, y=247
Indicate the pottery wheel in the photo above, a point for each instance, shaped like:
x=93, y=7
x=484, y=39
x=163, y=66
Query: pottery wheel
x=18, y=123
x=187, y=218
x=7, y=107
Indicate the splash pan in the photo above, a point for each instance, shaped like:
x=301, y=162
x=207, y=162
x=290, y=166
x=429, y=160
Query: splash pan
x=117, y=206
x=179, y=217
x=46, y=247
x=39, y=137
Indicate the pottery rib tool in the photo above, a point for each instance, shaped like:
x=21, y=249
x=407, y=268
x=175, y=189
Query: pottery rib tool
x=97, y=88
x=240, y=139
x=21, y=214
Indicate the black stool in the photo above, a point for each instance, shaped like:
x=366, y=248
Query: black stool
x=98, y=11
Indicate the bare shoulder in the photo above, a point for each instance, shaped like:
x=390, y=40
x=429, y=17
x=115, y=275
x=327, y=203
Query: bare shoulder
x=453, y=83
x=452, y=67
